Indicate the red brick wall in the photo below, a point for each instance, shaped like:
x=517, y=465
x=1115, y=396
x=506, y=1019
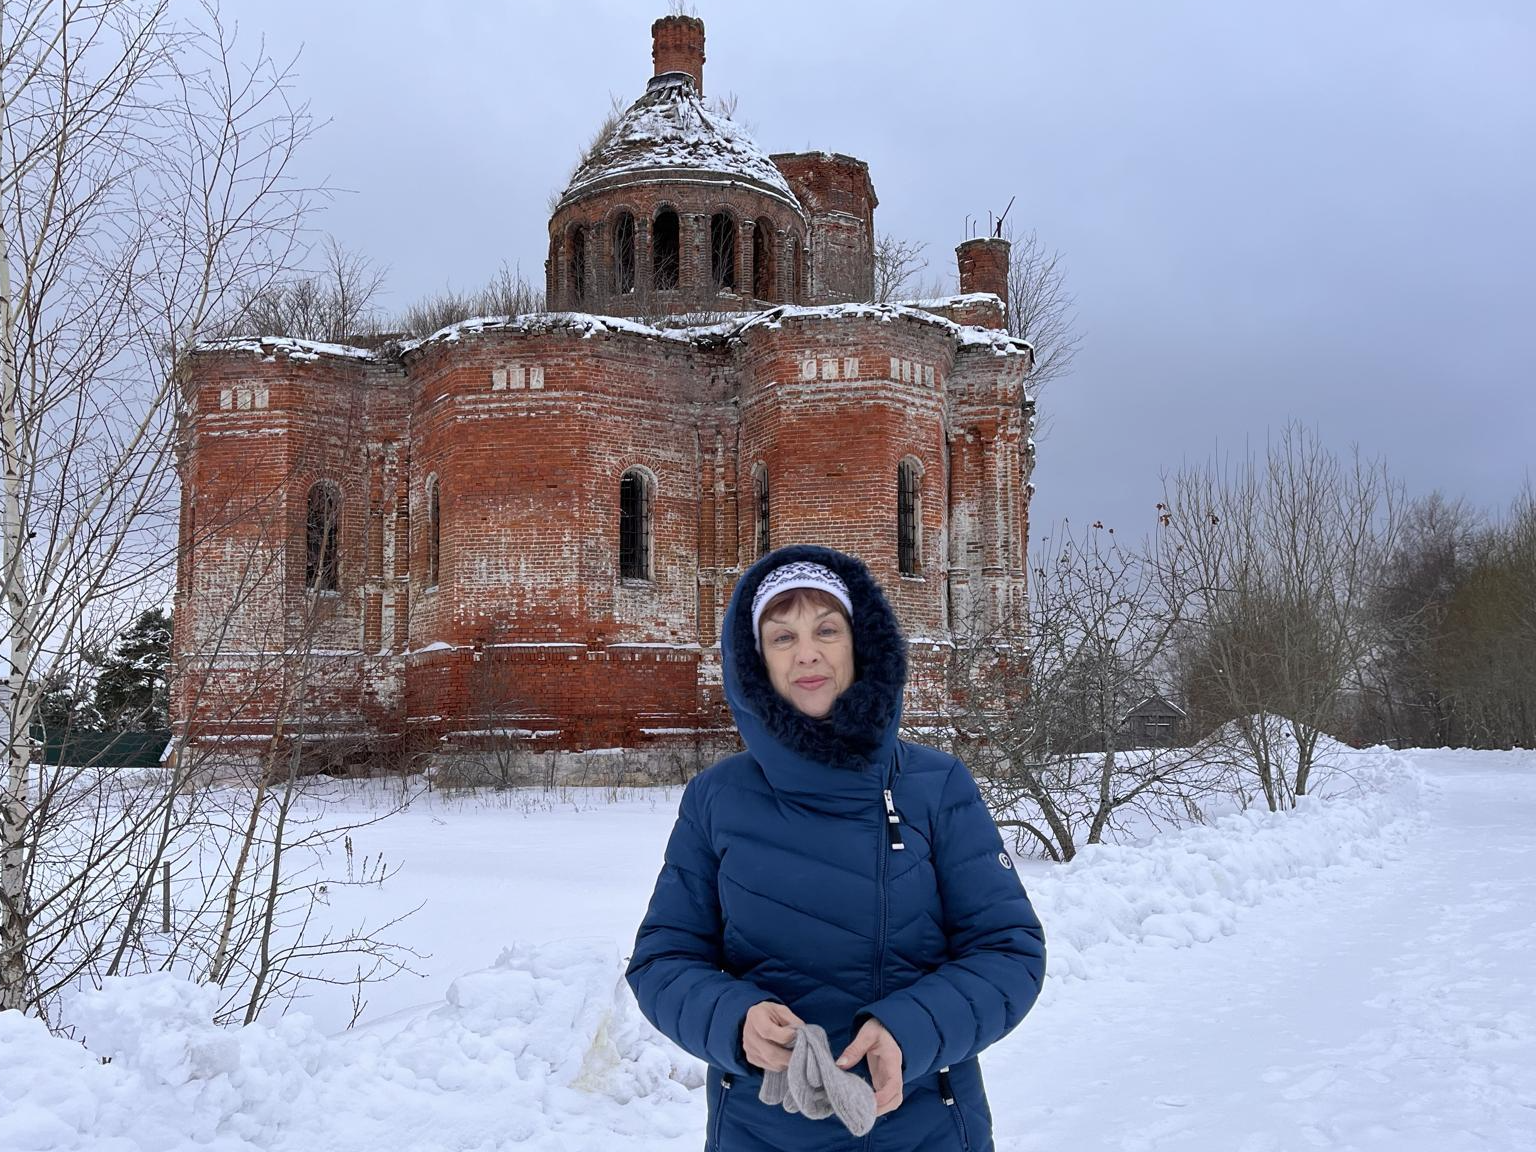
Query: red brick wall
x=839, y=197
x=832, y=406
x=677, y=45
x=253, y=645
x=695, y=203
x=984, y=267
x=528, y=429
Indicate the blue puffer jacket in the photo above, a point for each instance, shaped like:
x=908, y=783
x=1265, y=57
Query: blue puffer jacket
x=782, y=882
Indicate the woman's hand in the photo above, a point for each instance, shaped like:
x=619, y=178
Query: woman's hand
x=879, y=1047
x=769, y=1034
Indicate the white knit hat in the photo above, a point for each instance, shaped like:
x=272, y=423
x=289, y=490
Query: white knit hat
x=799, y=574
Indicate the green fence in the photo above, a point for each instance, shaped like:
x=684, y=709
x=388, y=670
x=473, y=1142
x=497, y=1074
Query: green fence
x=102, y=749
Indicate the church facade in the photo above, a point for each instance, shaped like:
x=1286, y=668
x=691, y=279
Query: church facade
x=520, y=534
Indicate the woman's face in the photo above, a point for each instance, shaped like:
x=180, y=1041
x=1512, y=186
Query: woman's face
x=809, y=653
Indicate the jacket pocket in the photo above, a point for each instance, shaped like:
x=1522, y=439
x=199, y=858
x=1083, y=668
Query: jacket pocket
x=720, y=1098
x=947, y=1094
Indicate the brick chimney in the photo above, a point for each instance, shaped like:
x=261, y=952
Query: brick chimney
x=677, y=45
x=984, y=266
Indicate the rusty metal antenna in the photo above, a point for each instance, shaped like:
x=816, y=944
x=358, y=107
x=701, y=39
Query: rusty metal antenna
x=997, y=229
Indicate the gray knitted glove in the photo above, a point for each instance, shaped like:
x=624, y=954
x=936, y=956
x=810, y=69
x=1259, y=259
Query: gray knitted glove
x=816, y=1086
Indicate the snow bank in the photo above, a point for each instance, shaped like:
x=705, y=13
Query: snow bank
x=548, y=1039
x=1187, y=887
x=547, y=1049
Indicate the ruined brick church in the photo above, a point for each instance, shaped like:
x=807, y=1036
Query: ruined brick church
x=524, y=531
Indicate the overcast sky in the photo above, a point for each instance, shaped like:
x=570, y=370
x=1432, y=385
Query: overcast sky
x=1315, y=210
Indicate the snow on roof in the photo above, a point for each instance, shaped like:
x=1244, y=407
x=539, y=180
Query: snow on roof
x=270, y=346
x=1154, y=704
x=669, y=132
x=967, y=336
x=958, y=300
x=690, y=330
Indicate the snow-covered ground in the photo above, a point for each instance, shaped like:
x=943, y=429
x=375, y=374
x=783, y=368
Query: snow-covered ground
x=1355, y=975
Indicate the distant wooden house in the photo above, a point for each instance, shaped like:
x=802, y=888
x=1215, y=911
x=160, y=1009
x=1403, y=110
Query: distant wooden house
x=1156, y=722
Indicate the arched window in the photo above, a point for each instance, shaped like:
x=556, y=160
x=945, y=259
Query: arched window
x=578, y=264
x=760, y=493
x=722, y=250
x=664, y=250
x=763, y=271
x=909, y=517
x=635, y=497
x=434, y=531
x=624, y=253
x=322, y=537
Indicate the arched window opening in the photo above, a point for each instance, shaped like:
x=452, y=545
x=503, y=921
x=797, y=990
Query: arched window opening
x=634, y=526
x=434, y=531
x=664, y=250
x=909, y=517
x=579, y=264
x=624, y=253
x=763, y=277
x=322, y=536
x=722, y=250
x=760, y=492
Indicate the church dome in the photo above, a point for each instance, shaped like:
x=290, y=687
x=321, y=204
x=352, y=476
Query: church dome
x=670, y=135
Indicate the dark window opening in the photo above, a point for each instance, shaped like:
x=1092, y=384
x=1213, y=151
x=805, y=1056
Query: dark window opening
x=908, y=518
x=634, y=527
x=664, y=250
x=624, y=253
x=762, y=261
x=434, y=531
x=579, y=265
x=760, y=490
x=322, y=532
x=722, y=250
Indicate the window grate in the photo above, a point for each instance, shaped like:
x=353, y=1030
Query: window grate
x=760, y=481
x=908, y=518
x=634, y=527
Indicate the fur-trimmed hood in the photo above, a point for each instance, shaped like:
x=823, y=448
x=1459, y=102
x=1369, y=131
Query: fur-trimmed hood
x=860, y=732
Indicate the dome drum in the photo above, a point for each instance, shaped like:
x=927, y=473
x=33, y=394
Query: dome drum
x=659, y=249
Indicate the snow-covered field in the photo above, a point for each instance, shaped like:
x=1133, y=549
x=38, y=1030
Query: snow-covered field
x=1355, y=975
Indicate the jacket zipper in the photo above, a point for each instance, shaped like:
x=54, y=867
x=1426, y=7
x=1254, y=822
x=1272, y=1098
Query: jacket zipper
x=892, y=842
x=893, y=823
x=947, y=1094
x=725, y=1087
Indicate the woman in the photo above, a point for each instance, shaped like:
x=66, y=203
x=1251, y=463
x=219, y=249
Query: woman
x=832, y=874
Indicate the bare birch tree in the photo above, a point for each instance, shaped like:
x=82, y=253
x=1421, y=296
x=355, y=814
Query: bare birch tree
x=144, y=189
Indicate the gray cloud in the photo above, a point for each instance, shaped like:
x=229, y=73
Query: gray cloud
x=1314, y=210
